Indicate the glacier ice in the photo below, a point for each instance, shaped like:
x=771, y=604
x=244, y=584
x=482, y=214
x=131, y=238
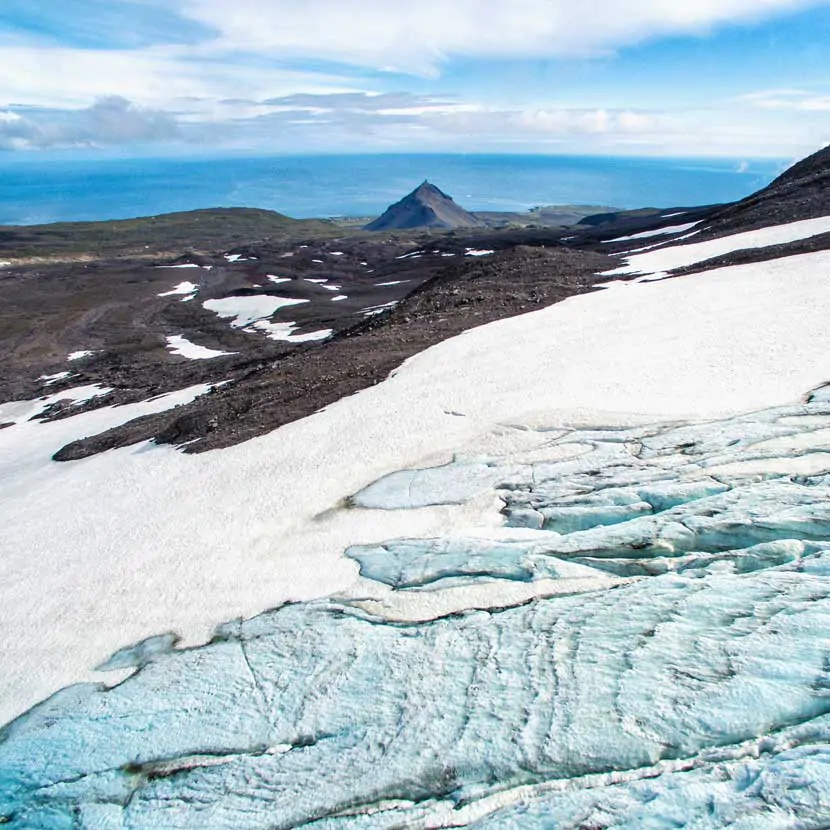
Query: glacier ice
x=681, y=679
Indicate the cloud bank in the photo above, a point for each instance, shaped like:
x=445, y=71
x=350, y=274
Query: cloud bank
x=372, y=75
x=111, y=120
x=419, y=37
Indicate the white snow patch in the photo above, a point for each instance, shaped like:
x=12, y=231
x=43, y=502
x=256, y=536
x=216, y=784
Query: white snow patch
x=283, y=331
x=285, y=256
x=278, y=280
x=663, y=243
x=412, y=255
x=324, y=284
x=184, y=265
x=339, y=297
x=5, y=263
x=658, y=232
x=318, y=261
x=181, y=288
x=378, y=309
x=80, y=354
x=19, y=412
x=394, y=282
x=50, y=379
x=337, y=253
x=181, y=346
x=235, y=258
x=478, y=252
x=679, y=256
x=248, y=309
x=144, y=539
x=679, y=213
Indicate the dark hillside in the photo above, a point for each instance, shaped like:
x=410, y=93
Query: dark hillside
x=208, y=230
x=801, y=192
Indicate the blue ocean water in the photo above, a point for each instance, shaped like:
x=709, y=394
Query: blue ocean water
x=34, y=190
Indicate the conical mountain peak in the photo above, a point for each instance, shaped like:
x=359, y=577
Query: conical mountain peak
x=428, y=187
x=425, y=207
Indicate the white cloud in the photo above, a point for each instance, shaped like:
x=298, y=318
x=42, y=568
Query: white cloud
x=111, y=120
x=788, y=99
x=354, y=123
x=264, y=79
x=417, y=37
x=359, y=122
x=160, y=76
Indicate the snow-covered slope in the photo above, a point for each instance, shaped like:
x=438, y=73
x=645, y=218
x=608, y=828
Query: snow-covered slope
x=695, y=643
x=679, y=256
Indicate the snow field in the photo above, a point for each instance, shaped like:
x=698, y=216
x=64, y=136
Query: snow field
x=680, y=256
x=257, y=524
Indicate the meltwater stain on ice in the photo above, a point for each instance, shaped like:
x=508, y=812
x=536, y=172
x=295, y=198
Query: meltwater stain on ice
x=680, y=678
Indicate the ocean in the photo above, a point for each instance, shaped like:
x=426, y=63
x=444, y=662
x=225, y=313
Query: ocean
x=35, y=190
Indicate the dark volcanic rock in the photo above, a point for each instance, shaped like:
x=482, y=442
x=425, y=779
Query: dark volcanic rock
x=801, y=192
x=425, y=207
x=465, y=293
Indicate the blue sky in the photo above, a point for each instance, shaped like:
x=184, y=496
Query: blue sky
x=738, y=78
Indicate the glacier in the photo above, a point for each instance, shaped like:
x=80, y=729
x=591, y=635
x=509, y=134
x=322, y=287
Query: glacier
x=567, y=570
x=259, y=524
x=639, y=636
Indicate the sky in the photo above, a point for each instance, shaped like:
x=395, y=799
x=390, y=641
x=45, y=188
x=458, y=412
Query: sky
x=733, y=78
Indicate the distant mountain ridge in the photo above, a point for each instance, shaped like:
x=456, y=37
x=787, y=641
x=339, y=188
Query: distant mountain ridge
x=425, y=207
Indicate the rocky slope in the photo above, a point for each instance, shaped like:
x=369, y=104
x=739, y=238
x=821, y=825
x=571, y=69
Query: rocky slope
x=425, y=207
x=800, y=192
